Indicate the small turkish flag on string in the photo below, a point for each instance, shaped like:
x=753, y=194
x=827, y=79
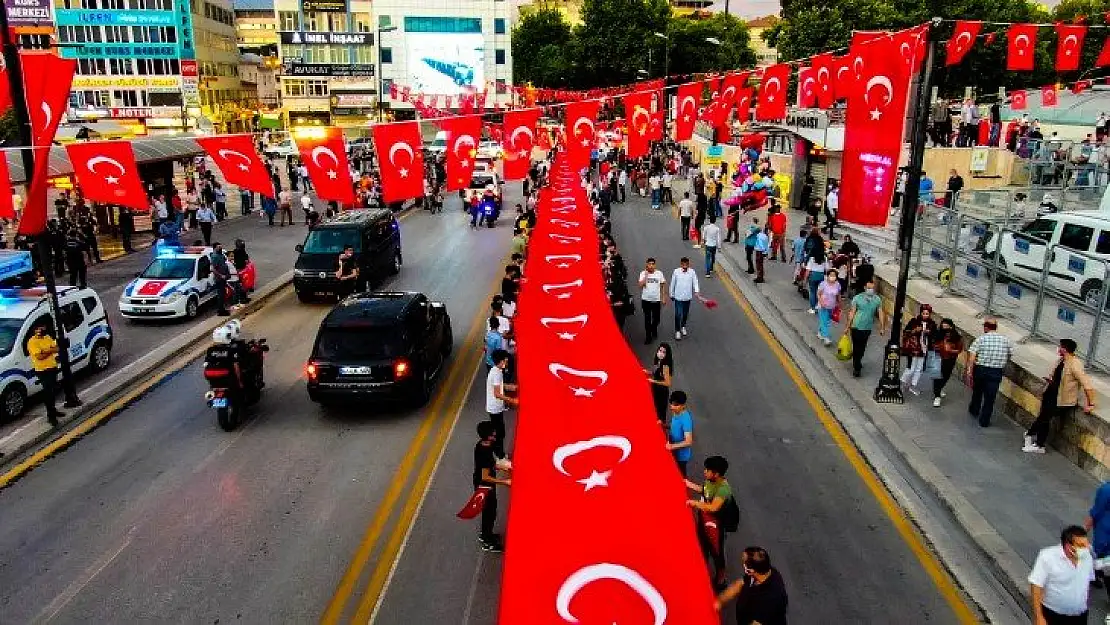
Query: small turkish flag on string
x=400, y=159
x=107, y=172
x=807, y=93
x=518, y=140
x=1069, y=46
x=844, y=75
x=962, y=40
x=1048, y=96
x=7, y=204
x=325, y=157
x=772, y=93
x=688, y=97
x=823, y=67
x=239, y=162
x=462, y=147
x=1018, y=100
x=1080, y=86
x=1020, y=54
x=636, y=107
x=475, y=504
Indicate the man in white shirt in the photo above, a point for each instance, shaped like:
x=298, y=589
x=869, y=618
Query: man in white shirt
x=652, y=298
x=684, y=288
x=711, y=238
x=623, y=181
x=497, y=398
x=685, y=213
x=655, y=183
x=306, y=206
x=667, y=180
x=832, y=205
x=1060, y=580
x=306, y=182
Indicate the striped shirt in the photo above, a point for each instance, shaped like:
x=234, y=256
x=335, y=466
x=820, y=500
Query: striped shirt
x=992, y=350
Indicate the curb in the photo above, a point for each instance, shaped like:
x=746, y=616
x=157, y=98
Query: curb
x=1007, y=567
x=99, y=396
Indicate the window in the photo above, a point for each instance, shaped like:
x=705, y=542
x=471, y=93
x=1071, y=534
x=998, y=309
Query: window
x=315, y=22
x=164, y=98
x=499, y=26
x=316, y=88
x=361, y=22
x=499, y=56
x=95, y=99
x=1041, y=229
x=386, y=55
x=117, y=34
x=289, y=20
x=1077, y=237
x=92, y=67
x=316, y=54
x=341, y=55
x=364, y=55
x=71, y=316
x=387, y=85
x=89, y=303
x=129, y=97
x=122, y=67
x=338, y=22
x=384, y=21
x=443, y=25
x=93, y=34
x=294, y=88
x=500, y=86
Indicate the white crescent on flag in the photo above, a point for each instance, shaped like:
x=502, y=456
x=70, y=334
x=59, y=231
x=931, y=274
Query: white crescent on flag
x=594, y=572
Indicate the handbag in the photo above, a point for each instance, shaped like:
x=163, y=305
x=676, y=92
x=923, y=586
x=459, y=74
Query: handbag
x=836, y=314
x=932, y=365
x=844, y=348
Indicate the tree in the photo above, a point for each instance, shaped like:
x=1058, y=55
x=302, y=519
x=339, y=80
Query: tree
x=614, y=40
x=541, y=42
x=691, y=53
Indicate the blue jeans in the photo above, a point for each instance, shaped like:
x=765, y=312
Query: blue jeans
x=824, y=318
x=984, y=388
x=815, y=278
x=681, y=313
x=710, y=258
x=655, y=195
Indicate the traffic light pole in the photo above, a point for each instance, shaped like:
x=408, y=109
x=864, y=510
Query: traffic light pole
x=889, y=390
x=41, y=244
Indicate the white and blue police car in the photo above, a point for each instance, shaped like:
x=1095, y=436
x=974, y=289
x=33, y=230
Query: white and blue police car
x=175, y=284
x=86, y=326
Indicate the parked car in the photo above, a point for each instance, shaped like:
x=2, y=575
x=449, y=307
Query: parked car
x=380, y=346
x=281, y=150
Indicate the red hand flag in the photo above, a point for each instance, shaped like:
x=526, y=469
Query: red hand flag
x=401, y=160
x=688, y=97
x=823, y=67
x=462, y=147
x=636, y=107
x=807, y=87
x=239, y=162
x=475, y=504
x=962, y=40
x=107, y=172
x=772, y=93
x=519, y=138
x=1017, y=100
x=325, y=157
x=7, y=203
x=1069, y=46
x=1048, y=96
x=581, y=133
x=1021, y=53
x=46, y=84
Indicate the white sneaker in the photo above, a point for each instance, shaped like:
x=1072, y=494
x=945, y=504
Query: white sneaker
x=827, y=341
x=684, y=332
x=678, y=336
x=812, y=311
x=1033, y=449
x=936, y=402
x=943, y=394
x=1028, y=440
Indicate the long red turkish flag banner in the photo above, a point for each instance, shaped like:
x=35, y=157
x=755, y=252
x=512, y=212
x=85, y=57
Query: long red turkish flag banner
x=874, y=126
x=590, y=464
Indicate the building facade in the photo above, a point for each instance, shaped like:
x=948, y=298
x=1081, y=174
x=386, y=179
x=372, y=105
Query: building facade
x=259, y=75
x=256, y=27
x=223, y=101
x=446, y=49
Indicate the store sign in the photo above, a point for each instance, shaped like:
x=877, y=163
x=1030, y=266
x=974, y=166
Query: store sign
x=27, y=12
x=126, y=82
x=353, y=100
x=324, y=70
x=85, y=17
x=189, y=69
x=809, y=120
x=130, y=112
x=327, y=6
x=344, y=39
x=125, y=50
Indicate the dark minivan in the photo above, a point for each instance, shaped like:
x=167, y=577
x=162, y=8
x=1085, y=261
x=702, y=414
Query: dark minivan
x=375, y=236
x=388, y=345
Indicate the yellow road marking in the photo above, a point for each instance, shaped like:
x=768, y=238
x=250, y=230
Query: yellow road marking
x=450, y=394
x=902, y=524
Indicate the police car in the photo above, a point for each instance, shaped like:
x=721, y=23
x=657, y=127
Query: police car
x=175, y=284
x=21, y=310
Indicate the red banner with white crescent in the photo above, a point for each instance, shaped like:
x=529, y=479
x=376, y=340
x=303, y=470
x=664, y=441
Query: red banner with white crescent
x=874, y=127
x=325, y=157
x=400, y=160
x=686, y=115
x=637, y=107
x=46, y=81
x=239, y=162
x=581, y=119
x=587, y=450
x=518, y=140
x=462, y=148
x=772, y=93
x=107, y=172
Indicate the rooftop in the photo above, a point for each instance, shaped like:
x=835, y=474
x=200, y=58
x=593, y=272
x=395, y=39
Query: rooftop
x=253, y=5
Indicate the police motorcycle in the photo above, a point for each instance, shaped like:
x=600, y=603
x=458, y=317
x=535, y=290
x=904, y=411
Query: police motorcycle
x=234, y=370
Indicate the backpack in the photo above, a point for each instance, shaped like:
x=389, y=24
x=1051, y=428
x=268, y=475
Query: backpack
x=729, y=515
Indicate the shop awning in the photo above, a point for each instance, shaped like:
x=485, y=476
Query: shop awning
x=150, y=150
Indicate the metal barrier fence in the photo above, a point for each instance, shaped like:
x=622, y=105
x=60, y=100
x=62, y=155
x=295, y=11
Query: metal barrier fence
x=1051, y=290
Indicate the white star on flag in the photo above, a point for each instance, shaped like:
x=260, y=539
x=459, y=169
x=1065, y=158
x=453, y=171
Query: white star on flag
x=582, y=392
x=243, y=167
x=111, y=180
x=404, y=173
x=523, y=153
x=686, y=118
x=770, y=98
x=464, y=163
x=585, y=143
x=875, y=114
x=595, y=480
x=332, y=174
x=566, y=336
x=878, y=188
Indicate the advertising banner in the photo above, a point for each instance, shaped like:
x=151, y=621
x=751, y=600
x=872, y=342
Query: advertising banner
x=27, y=12
x=309, y=70
x=87, y=17
x=445, y=63
x=296, y=37
x=326, y=6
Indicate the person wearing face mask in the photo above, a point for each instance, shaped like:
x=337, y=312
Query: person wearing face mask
x=760, y=594
x=828, y=300
x=947, y=347
x=660, y=376
x=866, y=310
x=1061, y=396
x=917, y=337
x=1060, y=580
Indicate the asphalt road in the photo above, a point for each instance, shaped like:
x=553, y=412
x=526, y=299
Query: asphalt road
x=160, y=516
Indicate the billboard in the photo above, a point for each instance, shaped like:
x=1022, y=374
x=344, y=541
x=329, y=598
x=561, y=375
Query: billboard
x=28, y=12
x=445, y=64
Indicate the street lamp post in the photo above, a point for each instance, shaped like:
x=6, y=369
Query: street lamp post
x=666, y=74
x=381, y=81
x=716, y=42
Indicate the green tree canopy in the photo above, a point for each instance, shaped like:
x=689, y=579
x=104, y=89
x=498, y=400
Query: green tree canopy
x=541, y=48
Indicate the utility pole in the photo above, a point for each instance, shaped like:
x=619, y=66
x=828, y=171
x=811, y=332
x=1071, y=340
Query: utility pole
x=41, y=244
x=889, y=390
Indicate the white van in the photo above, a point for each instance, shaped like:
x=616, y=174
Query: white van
x=21, y=310
x=1023, y=253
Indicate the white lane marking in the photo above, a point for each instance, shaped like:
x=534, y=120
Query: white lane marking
x=62, y=600
x=473, y=587
x=423, y=497
x=37, y=420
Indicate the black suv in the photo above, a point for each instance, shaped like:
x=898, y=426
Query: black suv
x=389, y=345
x=375, y=236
